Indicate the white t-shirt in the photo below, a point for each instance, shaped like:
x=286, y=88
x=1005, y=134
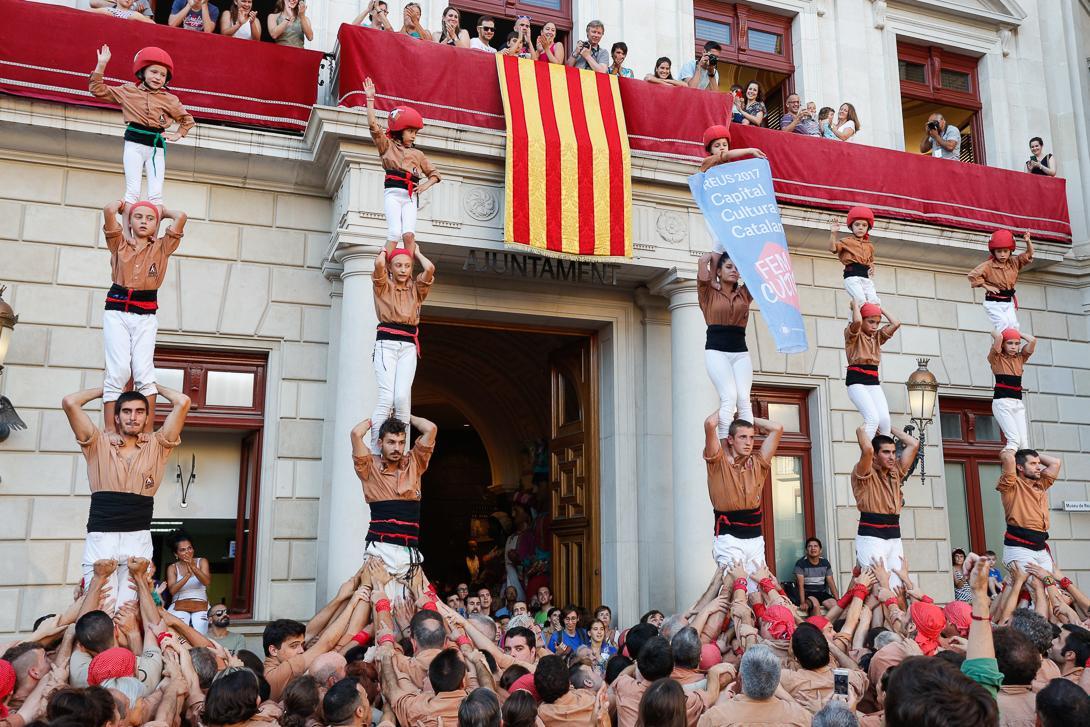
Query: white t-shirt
x=691, y=69
x=478, y=44
x=846, y=126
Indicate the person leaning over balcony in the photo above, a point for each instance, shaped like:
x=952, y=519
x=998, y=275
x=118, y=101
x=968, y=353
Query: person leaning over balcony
x=200, y=15
x=486, y=31
x=754, y=109
x=240, y=21
x=705, y=72
x=619, y=52
x=547, y=44
x=663, y=75
x=1039, y=162
x=942, y=140
x=846, y=124
x=375, y=16
x=141, y=6
x=122, y=9
x=588, y=54
x=410, y=23
x=289, y=24
x=452, y=33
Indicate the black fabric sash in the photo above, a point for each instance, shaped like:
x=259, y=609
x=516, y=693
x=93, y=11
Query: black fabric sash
x=119, y=512
x=395, y=521
x=744, y=524
x=409, y=332
x=128, y=300
x=1025, y=538
x=1007, y=386
x=1003, y=296
x=729, y=339
x=878, y=525
x=866, y=374
x=856, y=270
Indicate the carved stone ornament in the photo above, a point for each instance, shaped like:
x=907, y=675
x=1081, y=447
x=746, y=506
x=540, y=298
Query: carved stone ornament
x=481, y=204
x=671, y=227
x=879, y=11
x=1005, y=36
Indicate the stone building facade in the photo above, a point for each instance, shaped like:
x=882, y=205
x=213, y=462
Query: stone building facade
x=280, y=244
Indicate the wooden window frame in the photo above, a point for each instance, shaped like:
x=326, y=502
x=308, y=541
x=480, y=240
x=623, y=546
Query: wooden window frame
x=741, y=17
x=967, y=451
x=195, y=365
x=792, y=444
x=934, y=60
x=511, y=9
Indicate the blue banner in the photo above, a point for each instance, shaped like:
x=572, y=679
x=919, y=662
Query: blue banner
x=739, y=205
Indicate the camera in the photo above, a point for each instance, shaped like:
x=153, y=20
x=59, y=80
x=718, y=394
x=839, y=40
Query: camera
x=712, y=61
x=840, y=682
x=932, y=125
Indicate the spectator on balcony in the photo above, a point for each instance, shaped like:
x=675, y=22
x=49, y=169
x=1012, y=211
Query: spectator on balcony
x=663, y=75
x=375, y=16
x=798, y=120
x=452, y=33
x=846, y=125
x=754, y=110
x=548, y=46
x=525, y=47
x=619, y=52
x=240, y=21
x=588, y=54
x=289, y=24
x=825, y=122
x=410, y=23
x=122, y=10
x=198, y=15
x=738, y=95
x=486, y=30
x=942, y=140
x=141, y=6
x=705, y=72
x=1040, y=163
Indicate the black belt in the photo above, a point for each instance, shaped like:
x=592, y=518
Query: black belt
x=1025, y=538
x=866, y=374
x=128, y=300
x=856, y=270
x=729, y=339
x=395, y=521
x=879, y=525
x=145, y=135
x=1003, y=296
x=119, y=512
x=1007, y=386
x=745, y=524
x=401, y=180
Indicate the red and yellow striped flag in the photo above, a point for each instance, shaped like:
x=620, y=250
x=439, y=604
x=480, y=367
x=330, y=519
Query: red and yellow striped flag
x=569, y=181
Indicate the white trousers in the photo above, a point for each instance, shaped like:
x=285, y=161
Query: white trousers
x=395, y=368
x=1011, y=415
x=870, y=400
x=750, y=552
x=1002, y=315
x=130, y=351
x=397, y=558
x=1022, y=556
x=862, y=290
x=400, y=213
x=197, y=619
x=868, y=549
x=732, y=374
x=116, y=546
x=137, y=158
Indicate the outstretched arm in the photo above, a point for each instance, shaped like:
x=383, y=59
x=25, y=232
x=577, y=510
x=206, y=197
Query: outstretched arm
x=81, y=424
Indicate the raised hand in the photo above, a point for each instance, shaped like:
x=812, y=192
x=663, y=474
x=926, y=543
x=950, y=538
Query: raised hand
x=369, y=88
x=105, y=568
x=138, y=566
x=103, y=55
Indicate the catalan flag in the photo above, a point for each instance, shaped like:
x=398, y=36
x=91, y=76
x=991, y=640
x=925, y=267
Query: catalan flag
x=569, y=182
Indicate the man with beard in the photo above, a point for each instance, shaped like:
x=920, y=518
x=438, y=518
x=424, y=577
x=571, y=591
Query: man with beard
x=218, y=621
x=1023, y=487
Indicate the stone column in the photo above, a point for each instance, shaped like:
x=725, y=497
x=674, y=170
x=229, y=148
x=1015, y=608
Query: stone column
x=344, y=514
x=693, y=398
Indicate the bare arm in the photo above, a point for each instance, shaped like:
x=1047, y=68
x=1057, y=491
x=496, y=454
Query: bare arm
x=179, y=402
x=866, y=451
x=358, y=435
x=180, y=218
x=427, y=430
x=912, y=446
x=1006, y=462
x=705, y=267
x=890, y=328
x=772, y=440
x=1052, y=465
x=427, y=275
x=834, y=228
x=1031, y=345
x=325, y=615
x=711, y=435
x=73, y=404
x=997, y=342
x=175, y=19
x=980, y=645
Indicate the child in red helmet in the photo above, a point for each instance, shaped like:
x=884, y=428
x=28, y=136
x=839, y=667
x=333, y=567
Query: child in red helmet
x=148, y=109
x=717, y=144
x=998, y=276
x=404, y=165
x=863, y=339
x=1007, y=358
x=856, y=253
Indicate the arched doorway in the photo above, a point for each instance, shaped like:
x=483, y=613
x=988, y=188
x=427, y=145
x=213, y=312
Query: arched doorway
x=493, y=392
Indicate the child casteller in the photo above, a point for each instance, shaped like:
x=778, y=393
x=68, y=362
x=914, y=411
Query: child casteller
x=149, y=110
x=405, y=165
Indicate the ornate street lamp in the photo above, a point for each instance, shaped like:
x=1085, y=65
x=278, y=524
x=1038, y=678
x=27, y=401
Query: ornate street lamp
x=923, y=391
x=9, y=418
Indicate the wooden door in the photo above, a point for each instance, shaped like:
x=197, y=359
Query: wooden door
x=249, y=492
x=573, y=474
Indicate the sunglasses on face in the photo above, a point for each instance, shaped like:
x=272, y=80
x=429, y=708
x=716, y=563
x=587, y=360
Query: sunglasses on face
x=219, y=614
x=488, y=29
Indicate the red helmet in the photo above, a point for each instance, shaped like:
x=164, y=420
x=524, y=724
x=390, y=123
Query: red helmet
x=405, y=117
x=869, y=310
x=152, y=56
x=715, y=132
x=1001, y=240
x=861, y=213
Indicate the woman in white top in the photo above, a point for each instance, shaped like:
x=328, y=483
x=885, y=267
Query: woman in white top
x=847, y=122
x=188, y=578
x=240, y=21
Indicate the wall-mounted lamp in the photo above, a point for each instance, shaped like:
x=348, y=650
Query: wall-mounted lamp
x=923, y=391
x=186, y=483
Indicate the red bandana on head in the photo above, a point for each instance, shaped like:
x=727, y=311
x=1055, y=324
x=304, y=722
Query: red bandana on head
x=929, y=624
